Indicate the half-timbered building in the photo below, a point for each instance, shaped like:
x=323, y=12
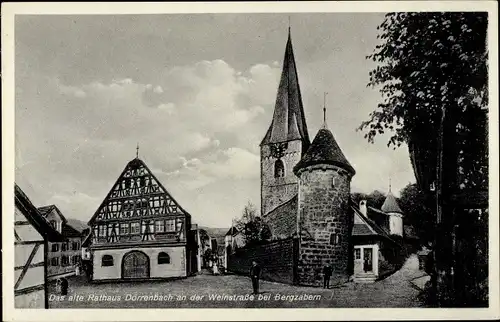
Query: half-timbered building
x=32, y=233
x=140, y=232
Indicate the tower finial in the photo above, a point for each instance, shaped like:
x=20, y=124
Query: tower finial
x=389, y=184
x=289, y=26
x=324, y=109
x=137, y=151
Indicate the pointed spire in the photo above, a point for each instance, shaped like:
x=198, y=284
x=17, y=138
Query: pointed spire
x=137, y=151
x=288, y=110
x=389, y=184
x=324, y=111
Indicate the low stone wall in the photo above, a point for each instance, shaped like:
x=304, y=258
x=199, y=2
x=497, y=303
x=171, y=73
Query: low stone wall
x=277, y=260
x=314, y=256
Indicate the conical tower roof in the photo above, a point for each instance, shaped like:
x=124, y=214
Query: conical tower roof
x=324, y=150
x=288, y=120
x=391, y=204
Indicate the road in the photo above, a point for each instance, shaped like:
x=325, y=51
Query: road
x=232, y=291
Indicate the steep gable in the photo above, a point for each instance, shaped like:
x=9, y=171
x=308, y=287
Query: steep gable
x=137, y=192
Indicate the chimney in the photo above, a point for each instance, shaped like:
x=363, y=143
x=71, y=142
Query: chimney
x=362, y=207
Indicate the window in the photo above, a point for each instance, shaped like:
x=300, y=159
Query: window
x=357, y=253
x=170, y=225
x=53, y=223
x=107, y=260
x=124, y=229
x=74, y=259
x=75, y=245
x=102, y=231
x=279, y=169
x=64, y=247
x=333, y=239
x=159, y=226
x=64, y=261
x=163, y=258
x=54, y=261
x=135, y=228
x=55, y=247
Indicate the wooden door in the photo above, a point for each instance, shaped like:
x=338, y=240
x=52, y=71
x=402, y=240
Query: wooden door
x=135, y=265
x=368, y=259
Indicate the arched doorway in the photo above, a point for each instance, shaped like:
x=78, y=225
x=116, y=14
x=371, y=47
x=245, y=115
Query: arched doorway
x=135, y=264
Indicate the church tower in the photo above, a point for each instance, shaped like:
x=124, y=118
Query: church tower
x=324, y=216
x=286, y=139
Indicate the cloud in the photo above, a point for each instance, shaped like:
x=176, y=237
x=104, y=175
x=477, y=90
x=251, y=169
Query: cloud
x=197, y=135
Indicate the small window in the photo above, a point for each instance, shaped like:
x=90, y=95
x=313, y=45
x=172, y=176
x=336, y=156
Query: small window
x=64, y=261
x=102, y=231
x=55, y=247
x=54, y=261
x=64, y=247
x=279, y=169
x=159, y=226
x=333, y=239
x=357, y=253
x=135, y=228
x=339, y=239
x=124, y=229
x=334, y=181
x=53, y=223
x=163, y=258
x=107, y=260
x=170, y=225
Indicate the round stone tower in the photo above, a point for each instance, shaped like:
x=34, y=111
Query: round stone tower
x=324, y=214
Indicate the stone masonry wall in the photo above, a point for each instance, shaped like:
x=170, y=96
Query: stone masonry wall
x=324, y=193
x=276, y=191
x=275, y=258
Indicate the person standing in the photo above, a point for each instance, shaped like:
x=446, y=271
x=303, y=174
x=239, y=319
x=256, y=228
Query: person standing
x=255, y=275
x=327, y=273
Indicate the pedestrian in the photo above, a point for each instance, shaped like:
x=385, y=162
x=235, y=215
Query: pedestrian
x=255, y=275
x=64, y=286
x=327, y=273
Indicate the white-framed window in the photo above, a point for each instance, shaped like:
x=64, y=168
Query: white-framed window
x=357, y=253
x=124, y=229
x=102, y=230
x=159, y=226
x=170, y=225
x=135, y=228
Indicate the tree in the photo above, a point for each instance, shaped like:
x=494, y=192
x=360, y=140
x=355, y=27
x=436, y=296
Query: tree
x=375, y=199
x=254, y=229
x=428, y=62
x=412, y=201
x=432, y=74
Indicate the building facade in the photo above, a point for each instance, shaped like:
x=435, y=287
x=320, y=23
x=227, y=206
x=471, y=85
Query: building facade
x=32, y=235
x=140, y=232
x=63, y=257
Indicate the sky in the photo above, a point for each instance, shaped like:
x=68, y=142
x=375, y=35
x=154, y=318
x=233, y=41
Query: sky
x=196, y=92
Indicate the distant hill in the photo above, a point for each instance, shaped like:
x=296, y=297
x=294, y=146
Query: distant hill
x=215, y=232
x=77, y=224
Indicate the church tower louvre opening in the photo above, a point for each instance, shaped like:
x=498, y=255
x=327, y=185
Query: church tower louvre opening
x=285, y=141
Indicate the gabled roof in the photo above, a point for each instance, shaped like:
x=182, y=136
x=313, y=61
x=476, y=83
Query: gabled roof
x=391, y=204
x=324, y=150
x=34, y=217
x=133, y=165
x=69, y=231
x=45, y=210
x=288, y=122
x=368, y=227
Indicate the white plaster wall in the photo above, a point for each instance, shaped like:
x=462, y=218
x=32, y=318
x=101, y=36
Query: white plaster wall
x=396, y=224
x=33, y=277
x=23, y=251
x=33, y=300
x=176, y=268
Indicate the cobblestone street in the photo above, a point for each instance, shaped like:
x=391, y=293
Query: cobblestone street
x=394, y=292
